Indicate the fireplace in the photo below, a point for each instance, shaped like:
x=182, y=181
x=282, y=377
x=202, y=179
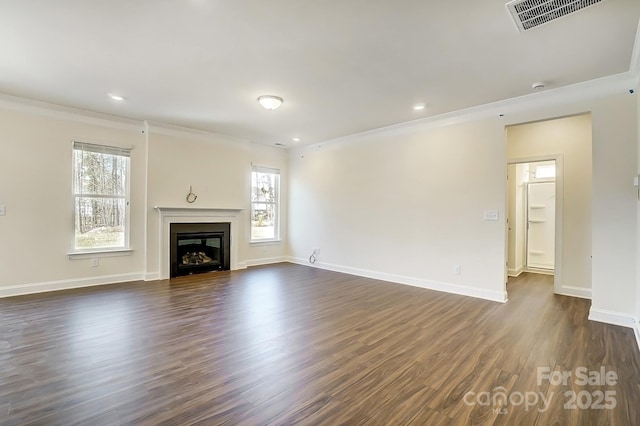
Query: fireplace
x=199, y=247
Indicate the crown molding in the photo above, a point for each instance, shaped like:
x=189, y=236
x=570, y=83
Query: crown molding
x=45, y=109
x=155, y=127
x=553, y=97
x=76, y=115
x=575, y=93
x=634, y=66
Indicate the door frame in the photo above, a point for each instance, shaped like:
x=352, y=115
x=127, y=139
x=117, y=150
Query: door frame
x=558, y=158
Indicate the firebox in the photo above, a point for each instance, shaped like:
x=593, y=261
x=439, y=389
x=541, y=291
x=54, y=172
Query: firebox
x=199, y=247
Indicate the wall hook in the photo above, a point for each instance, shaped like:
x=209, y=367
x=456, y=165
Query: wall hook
x=191, y=197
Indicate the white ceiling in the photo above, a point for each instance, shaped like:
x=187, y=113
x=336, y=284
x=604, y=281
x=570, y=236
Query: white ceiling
x=342, y=66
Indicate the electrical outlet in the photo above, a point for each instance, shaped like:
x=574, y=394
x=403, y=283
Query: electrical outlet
x=457, y=270
x=95, y=262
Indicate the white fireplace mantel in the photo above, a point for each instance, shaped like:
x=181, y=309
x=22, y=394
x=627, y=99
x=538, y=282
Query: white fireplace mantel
x=187, y=209
x=185, y=214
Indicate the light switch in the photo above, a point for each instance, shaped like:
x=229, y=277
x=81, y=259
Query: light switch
x=3, y=210
x=491, y=215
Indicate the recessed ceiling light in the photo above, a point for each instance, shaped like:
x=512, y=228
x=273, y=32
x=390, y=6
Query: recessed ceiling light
x=270, y=102
x=115, y=97
x=418, y=107
x=296, y=139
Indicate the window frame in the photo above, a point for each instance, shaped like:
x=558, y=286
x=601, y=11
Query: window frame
x=276, y=204
x=121, y=250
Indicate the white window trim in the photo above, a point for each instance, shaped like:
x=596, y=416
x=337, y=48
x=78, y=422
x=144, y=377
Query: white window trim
x=124, y=250
x=265, y=241
x=90, y=254
x=271, y=242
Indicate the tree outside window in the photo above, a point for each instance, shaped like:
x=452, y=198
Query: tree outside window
x=101, y=196
x=265, y=200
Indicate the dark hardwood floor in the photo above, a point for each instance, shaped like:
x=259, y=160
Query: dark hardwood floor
x=287, y=344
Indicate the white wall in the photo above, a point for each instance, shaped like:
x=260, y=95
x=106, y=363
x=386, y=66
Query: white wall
x=614, y=205
x=613, y=201
x=571, y=138
x=35, y=186
x=406, y=203
x=406, y=207
x=218, y=169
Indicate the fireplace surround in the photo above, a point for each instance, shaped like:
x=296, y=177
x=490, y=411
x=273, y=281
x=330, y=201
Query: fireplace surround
x=186, y=214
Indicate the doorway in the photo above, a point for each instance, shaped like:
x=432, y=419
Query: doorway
x=567, y=141
x=531, y=217
x=541, y=221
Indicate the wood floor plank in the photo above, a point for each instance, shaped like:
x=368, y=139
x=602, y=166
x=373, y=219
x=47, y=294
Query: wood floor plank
x=288, y=344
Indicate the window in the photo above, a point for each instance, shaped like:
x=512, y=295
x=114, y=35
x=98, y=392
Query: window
x=101, y=196
x=546, y=171
x=265, y=204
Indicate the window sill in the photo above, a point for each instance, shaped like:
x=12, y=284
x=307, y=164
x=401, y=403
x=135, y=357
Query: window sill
x=265, y=242
x=99, y=253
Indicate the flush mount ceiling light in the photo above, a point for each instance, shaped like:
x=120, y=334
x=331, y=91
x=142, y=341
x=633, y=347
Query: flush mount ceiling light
x=418, y=107
x=296, y=139
x=270, y=102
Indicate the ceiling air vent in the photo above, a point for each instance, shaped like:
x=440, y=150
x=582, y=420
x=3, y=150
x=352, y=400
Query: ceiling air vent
x=529, y=14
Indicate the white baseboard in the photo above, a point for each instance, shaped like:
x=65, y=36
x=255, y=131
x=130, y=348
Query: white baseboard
x=581, y=292
x=152, y=276
x=611, y=317
x=18, y=290
x=515, y=272
x=265, y=261
x=617, y=318
x=480, y=293
x=539, y=271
